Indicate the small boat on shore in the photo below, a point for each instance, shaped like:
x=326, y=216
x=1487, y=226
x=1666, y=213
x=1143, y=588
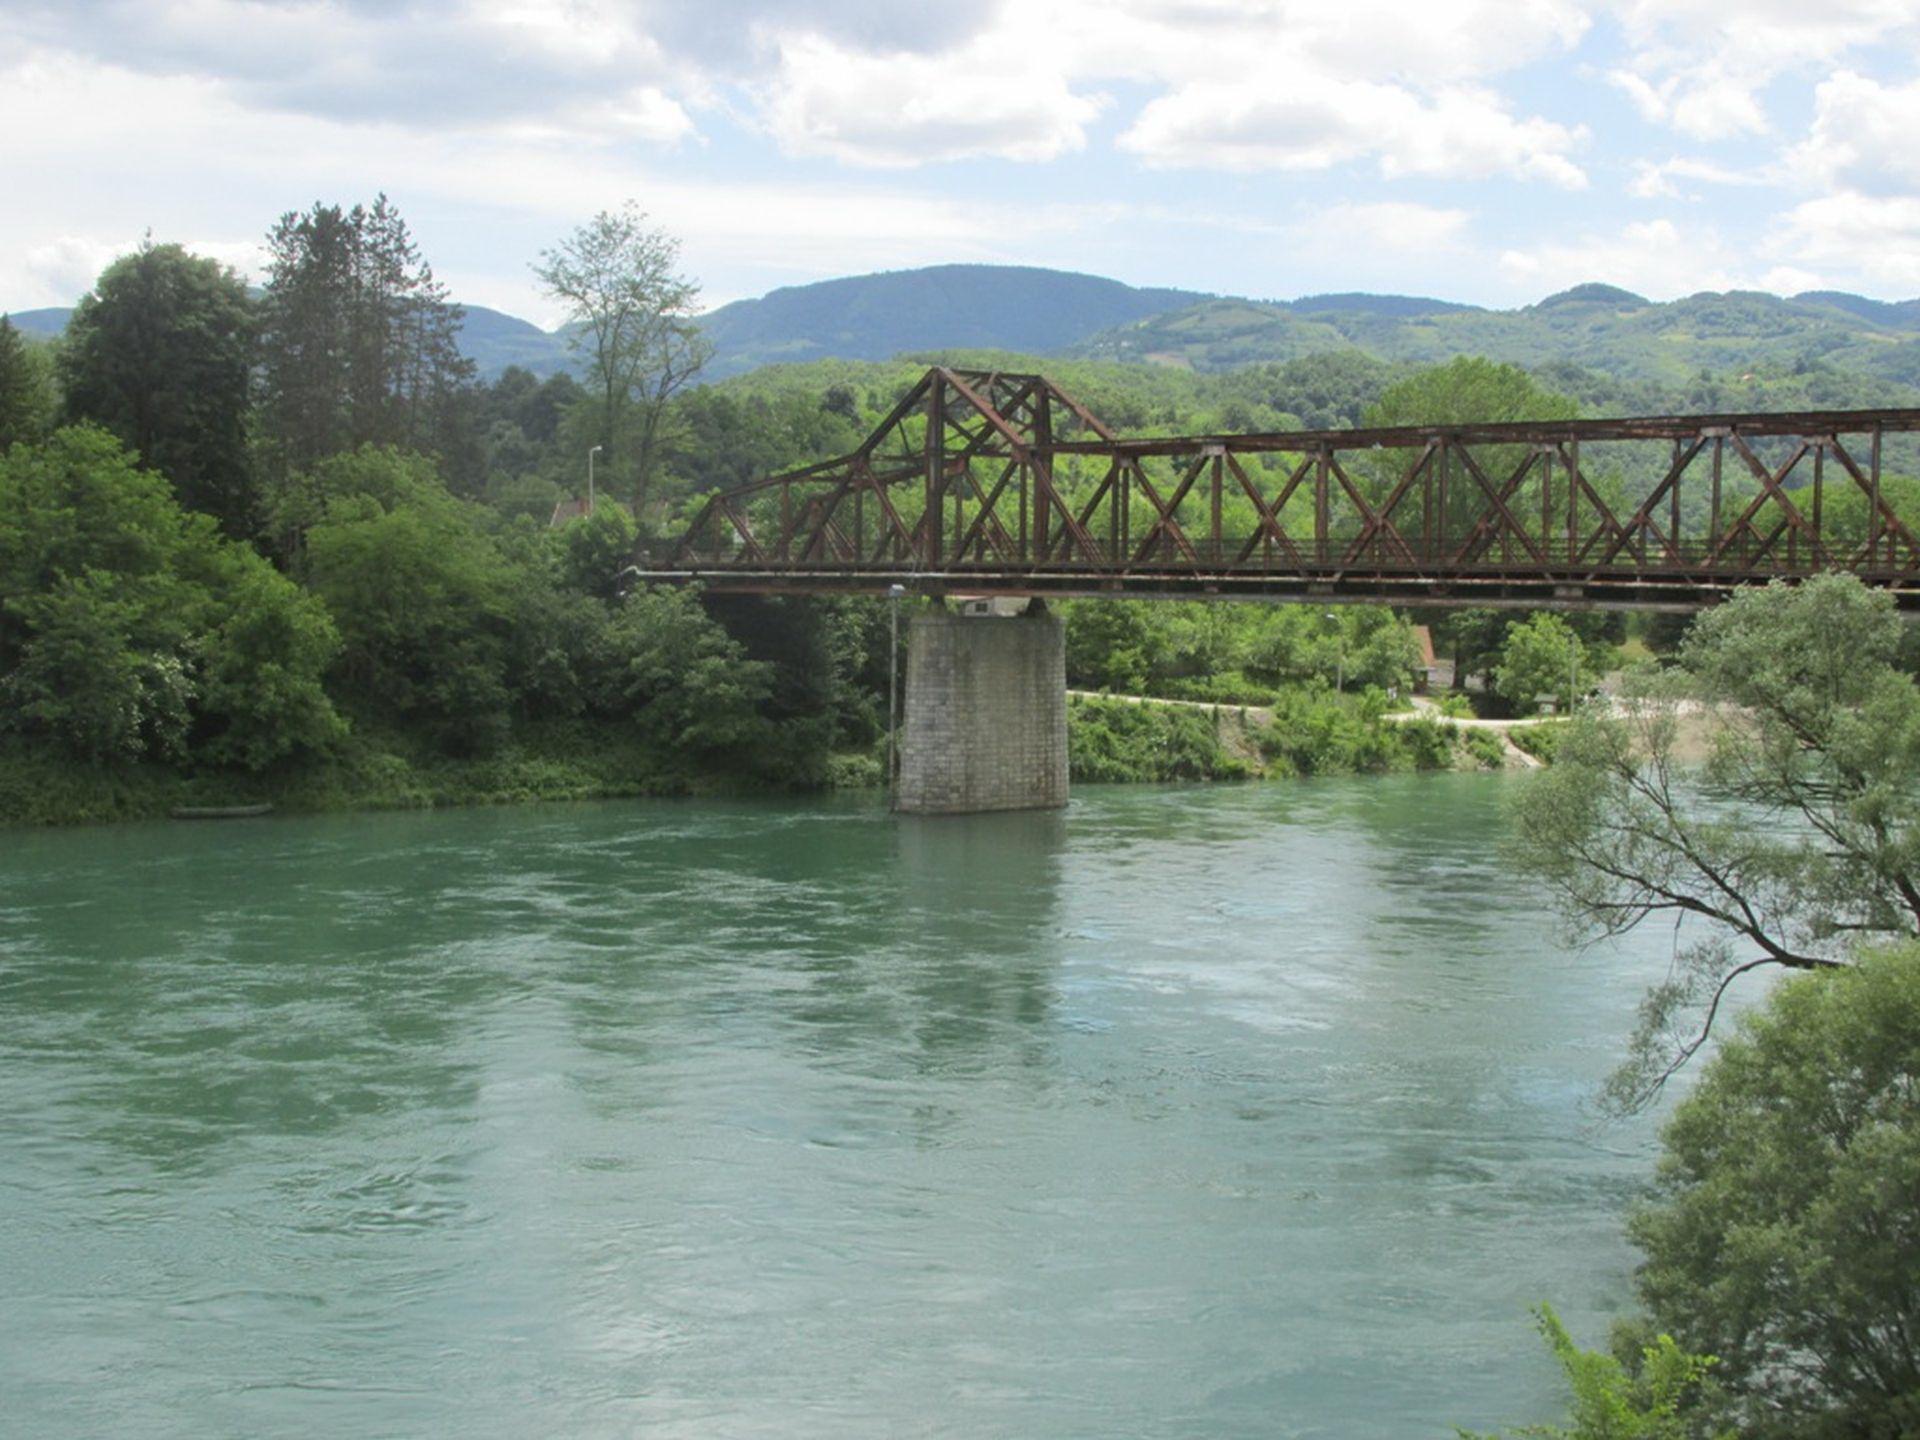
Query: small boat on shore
x=219, y=812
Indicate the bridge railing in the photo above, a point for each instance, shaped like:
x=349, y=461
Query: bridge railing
x=1257, y=555
x=1000, y=476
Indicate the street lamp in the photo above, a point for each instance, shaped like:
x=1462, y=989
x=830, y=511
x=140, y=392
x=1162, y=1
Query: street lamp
x=590, y=454
x=1340, y=661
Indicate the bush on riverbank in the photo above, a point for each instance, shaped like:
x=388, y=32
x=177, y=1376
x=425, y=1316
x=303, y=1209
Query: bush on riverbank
x=1539, y=741
x=1120, y=741
x=1321, y=732
x=1306, y=731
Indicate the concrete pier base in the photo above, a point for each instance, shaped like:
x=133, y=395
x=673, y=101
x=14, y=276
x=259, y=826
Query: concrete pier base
x=986, y=724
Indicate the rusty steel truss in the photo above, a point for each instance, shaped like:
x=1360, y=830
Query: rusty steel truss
x=982, y=482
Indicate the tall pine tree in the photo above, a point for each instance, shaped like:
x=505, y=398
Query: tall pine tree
x=23, y=389
x=360, y=344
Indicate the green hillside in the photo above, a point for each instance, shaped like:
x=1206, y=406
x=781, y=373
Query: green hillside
x=1594, y=326
x=1643, y=349
x=872, y=317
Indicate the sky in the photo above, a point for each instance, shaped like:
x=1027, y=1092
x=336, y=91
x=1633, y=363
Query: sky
x=1491, y=151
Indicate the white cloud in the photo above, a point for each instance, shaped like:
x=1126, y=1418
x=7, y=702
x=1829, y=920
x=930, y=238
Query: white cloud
x=1703, y=66
x=432, y=62
x=1862, y=135
x=1655, y=258
x=1704, y=102
x=1871, y=241
x=903, y=109
x=1314, y=123
x=1391, y=227
x=1656, y=180
x=1191, y=42
x=1299, y=85
x=66, y=118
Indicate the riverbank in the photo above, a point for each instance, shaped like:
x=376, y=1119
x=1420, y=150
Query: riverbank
x=1308, y=731
x=550, y=762
x=1124, y=739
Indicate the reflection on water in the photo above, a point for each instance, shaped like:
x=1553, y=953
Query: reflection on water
x=1207, y=1112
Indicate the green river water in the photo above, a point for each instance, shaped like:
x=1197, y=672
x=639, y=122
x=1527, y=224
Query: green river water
x=1241, y=1111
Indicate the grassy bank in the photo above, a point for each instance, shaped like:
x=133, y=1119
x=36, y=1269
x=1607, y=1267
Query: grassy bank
x=575, y=761
x=1304, y=731
x=1109, y=740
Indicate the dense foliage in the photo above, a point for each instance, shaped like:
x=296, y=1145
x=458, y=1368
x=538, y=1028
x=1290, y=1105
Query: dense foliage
x=357, y=339
x=160, y=353
x=27, y=396
x=131, y=630
x=1654, y=1395
x=1799, y=835
x=1785, y=1221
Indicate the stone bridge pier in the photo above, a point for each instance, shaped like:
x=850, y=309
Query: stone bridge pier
x=986, y=711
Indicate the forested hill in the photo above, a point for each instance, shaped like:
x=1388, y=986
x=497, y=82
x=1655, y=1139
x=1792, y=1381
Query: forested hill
x=873, y=317
x=1598, y=327
x=1057, y=313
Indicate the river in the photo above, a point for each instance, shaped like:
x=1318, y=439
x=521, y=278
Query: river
x=1210, y=1112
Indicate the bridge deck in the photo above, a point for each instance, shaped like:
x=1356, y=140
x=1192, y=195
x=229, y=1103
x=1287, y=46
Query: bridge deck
x=980, y=482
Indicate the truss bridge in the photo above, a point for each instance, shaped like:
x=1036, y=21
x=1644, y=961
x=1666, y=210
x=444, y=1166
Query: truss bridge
x=983, y=482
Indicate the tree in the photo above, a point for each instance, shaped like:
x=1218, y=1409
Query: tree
x=1470, y=390
x=1800, y=836
x=1541, y=656
x=131, y=629
x=1648, y=1400
x=688, y=684
x=1785, y=1219
x=423, y=597
x=160, y=352
x=26, y=396
x=595, y=549
x=359, y=342
x=1111, y=644
x=634, y=313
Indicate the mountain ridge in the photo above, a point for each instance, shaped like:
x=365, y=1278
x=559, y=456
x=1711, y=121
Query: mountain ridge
x=1037, y=311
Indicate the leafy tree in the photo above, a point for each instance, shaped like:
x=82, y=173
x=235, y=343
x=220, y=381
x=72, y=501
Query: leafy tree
x=1469, y=390
x=100, y=667
x=131, y=628
x=26, y=395
x=1541, y=656
x=359, y=344
x=1785, y=1219
x=1650, y=1400
x=1110, y=644
x=635, y=318
x=423, y=598
x=1353, y=646
x=160, y=352
x=595, y=549
x=1800, y=835
x=688, y=684
x=263, y=660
